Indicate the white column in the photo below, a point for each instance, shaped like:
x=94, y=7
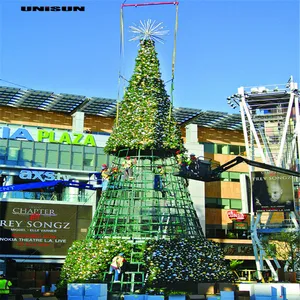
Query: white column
x=245, y=194
x=70, y=194
x=78, y=122
x=196, y=188
x=8, y=180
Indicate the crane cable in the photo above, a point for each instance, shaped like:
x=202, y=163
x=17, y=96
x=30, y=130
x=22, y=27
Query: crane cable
x=173, y=61
x=121, y=60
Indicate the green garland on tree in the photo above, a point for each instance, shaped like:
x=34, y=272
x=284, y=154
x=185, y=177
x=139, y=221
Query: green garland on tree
x=145, y=118
x=185, y=260
x=88, y=260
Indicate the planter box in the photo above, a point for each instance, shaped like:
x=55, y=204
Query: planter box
x=197, y=297
x=227, y=295
x=95, y=297
x=154, y=297
x=87, y=291
x=95, y=289
x=213, y=297
x=135, y=297
x=75, y=297
x=76, y=289
x=177, y=297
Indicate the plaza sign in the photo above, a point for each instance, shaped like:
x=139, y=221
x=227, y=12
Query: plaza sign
x=50, y=136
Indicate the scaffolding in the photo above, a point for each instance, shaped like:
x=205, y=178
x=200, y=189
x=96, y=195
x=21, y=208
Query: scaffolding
x=271, y=123
x=148, y=203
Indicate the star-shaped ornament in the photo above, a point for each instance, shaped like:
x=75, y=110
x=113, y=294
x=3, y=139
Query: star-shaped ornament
x=148, y=30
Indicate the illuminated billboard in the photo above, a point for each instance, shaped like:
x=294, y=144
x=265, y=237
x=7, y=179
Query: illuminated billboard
x=37, y=229
x=272, y=191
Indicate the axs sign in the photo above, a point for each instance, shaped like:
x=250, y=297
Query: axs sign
x=42, y=175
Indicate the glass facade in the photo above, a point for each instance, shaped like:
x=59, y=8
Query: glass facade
x=224, y=149
x=53, y=156
x=231, y=176
x=223, y=203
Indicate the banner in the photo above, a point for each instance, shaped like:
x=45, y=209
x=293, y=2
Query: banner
x=272, y=191
x=41, y=229
x=237, y=249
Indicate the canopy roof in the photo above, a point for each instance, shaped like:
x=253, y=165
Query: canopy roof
x=68, y=103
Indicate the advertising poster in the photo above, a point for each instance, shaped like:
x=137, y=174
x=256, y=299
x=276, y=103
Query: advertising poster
x=37, y=229
x=237, y=249
x=272, y=191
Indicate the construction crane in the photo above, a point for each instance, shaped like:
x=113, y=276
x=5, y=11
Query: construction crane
x=209, y=170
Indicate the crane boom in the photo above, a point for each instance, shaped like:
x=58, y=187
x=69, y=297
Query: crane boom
x=202, y=169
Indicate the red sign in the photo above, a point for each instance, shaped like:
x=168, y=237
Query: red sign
x=234, y=214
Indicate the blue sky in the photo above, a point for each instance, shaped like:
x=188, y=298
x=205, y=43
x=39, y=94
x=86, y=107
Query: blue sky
x=221, y=45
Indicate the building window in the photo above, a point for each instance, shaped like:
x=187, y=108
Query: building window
x=77, y=157
x=52, y=158
x=39, y=157
x=26, y=154
x=89, y=159
x=211, y=203
x=234, y=176
x=237, y=150
x=13, y=153
x=225, y=176
x=65, y=158
x=224, y=149
x=3, y=150
x=235, y=204
x=230, y=176
x=221, y=149
x=208, y=147
x=223, y=203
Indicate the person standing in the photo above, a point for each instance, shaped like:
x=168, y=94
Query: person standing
x=4, y=287
x=116, y=266
x=127, y=166
x=158, y=184
x=181, y=160
x=105, y=174
x=192, y=161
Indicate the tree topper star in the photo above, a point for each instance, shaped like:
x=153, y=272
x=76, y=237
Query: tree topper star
x=148, y=30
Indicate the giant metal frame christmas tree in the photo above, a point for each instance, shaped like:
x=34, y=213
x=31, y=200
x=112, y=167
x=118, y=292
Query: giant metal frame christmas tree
x=149, y=203
x=152, y=203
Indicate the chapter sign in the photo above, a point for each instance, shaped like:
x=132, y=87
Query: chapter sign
x=37, y=229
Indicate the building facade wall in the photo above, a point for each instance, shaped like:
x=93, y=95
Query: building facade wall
x=212, y=200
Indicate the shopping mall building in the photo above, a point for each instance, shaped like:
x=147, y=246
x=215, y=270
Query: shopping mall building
x=46, y=138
